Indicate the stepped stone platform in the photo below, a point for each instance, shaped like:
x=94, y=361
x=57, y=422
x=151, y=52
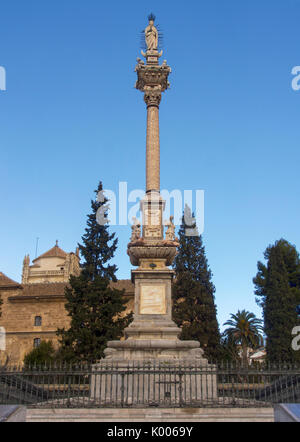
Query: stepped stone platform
x=150, y=415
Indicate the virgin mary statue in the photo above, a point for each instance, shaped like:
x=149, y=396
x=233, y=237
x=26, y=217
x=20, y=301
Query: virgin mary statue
x=151, y=34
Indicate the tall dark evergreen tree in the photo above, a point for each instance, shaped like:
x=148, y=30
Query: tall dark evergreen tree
x=194, y=307
x=99, y=245
x=277, y=287
x=96, y=309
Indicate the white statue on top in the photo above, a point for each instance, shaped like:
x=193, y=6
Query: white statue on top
x=151, y=34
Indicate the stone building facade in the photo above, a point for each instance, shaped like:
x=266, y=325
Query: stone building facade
x=34, y=309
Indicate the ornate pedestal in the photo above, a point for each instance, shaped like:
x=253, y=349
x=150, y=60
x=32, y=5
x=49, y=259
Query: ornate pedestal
x=153, y=335
x=152, y=366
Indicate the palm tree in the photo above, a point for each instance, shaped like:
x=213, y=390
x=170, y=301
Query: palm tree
x=245, y=331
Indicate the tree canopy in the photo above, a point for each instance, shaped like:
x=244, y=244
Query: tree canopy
x=194, y=307
x=245, y=331
x=96, y=309
x=277, y=290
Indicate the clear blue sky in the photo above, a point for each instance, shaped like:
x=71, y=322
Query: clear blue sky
x=229, y=124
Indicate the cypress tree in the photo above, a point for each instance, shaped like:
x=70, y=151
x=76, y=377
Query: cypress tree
x=194, y=307
x=99, y=245
x=96, y=309
x=277, y=287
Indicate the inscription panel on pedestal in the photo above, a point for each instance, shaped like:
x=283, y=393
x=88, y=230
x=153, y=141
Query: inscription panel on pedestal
x=153, y=300
x=152, y=217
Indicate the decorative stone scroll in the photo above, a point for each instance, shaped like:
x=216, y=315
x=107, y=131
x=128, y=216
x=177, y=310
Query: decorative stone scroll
x=152, y=232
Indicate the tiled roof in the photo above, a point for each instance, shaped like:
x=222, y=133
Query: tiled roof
x=52, y=253
x=50, y=288
x=58, y=288
x=6, y=282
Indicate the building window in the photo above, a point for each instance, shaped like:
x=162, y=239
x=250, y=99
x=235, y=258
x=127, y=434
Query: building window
x=36, y=342
x=38, y=321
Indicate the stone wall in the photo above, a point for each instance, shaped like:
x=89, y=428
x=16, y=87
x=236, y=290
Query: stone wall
x=18, y=318
x=21, y=304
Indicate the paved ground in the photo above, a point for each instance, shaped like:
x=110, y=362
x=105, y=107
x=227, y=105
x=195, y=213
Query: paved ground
x=287, y=413
x=12, y=413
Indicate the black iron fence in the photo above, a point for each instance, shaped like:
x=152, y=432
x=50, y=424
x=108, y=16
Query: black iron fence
x=149, y=385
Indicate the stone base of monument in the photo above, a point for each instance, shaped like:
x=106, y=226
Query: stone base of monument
x=155, y=339
x=153, y=335
x=154, y=349
x=153, y=383
x=152, y=365
x=151, y=414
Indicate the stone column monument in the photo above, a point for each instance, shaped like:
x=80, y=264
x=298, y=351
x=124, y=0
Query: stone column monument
x=152, y=335
x=151, y=365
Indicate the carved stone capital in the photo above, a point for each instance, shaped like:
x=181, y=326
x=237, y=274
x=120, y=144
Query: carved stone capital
x=152, y=76
x=152, y=96
x=152, y=80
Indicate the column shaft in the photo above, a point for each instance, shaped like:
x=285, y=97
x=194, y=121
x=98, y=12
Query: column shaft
x=152, y=150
